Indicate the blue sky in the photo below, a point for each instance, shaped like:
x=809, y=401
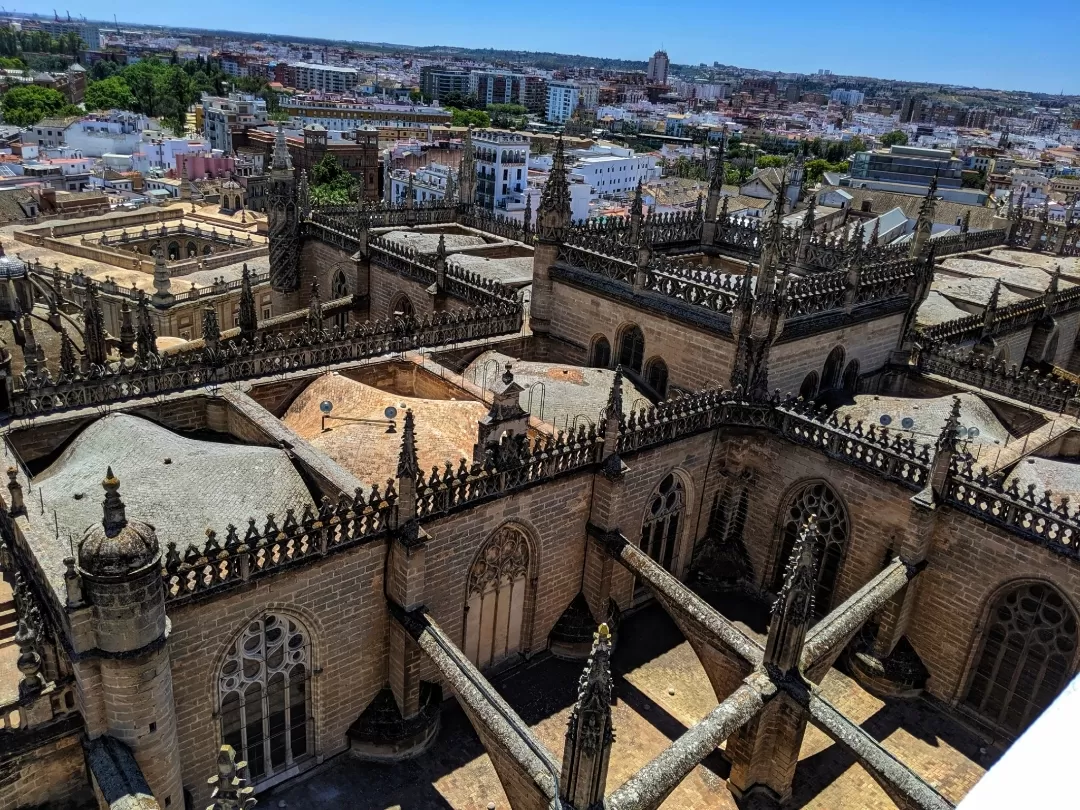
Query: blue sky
x=949, y=41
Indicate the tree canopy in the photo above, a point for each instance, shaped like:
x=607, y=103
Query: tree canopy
x=894, y=138
x=469, y=118
x=112, y=93
x=330, y=183
x=25, y=105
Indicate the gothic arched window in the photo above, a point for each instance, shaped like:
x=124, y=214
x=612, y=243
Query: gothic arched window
x=819, y=499
x=850, y=380
x=656, y=376
x=808, y=389
x=632, y=348
x=495, y=598
x=174, y=251
x=265, y=696
x=600, y=354
x=834, y=363
x=663, y=518
x=191, y=249
x=340, y=289
x=1025, y=656
x=401, y=307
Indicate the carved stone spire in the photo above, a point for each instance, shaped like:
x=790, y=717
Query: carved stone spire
x=248, y=319
x=875, y=233
x=97, y=353
x=467, y=172
x=162, y=297
x=716, y=194
x=314, y=315
x=280, y=159
x=127, y=330
x=408, y=463
x=965, y=224
x=229, y=787
x=924, y=224
x=991, y=307
x=944, y=451
x=440, y=263
x=211, y=331
x=33, y=354
x=146, y=334
x=553, y=215
x=303, y=194
x=589, y=733
x=68, y=363
x=635, y=214
x=794, y=606
x=527, y=219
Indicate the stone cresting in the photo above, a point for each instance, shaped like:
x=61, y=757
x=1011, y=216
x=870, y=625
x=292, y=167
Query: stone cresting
x=1001, y=320
x=983, y=371
x=262, y=356
x=78, y=282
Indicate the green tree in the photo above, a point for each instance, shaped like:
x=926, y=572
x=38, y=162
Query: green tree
x=330, y=183
x=894, y=138
x=103, y=69
x=507, y=115
x=109, y=94
x=415, y=96
x=25, y=105
x=469, y=118
x=772, y=161
x=12, y=63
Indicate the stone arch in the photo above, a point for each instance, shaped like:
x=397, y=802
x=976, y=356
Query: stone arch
x=830, y=373
x=401, y=306
x=600, y=352
x=207, y=250
x=1003, y=354
x=1043, y=343
x=174, y=251
x=1024, y=651
x=191, y=250
x=264, y=697
x=816, y=497
x=631, y=347
x=339, y=284
x=850, y=380
x=809, y=388
x=498, y=602
x=656, y=376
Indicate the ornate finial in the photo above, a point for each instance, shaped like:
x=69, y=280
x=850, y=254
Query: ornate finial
x=794, y=605
x=127, y=330
x=229, y=787
x=248, y=319
x=440, y=249
x=995, y=295
x=16, y=505
x=589, y=732
x=146, y=336
x=211, y=331
x=29, y=661
x=97, y=353
x=527, y=219
x=1055, y=280
x=68, y=364
x=810, y=214
x=508, y=375
x=950, y=431
x=615, y=396
x=408, y=463
x=553, y=215
x=115, y=516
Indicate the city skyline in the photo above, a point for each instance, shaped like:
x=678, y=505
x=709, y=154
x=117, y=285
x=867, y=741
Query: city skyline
x=791, y=42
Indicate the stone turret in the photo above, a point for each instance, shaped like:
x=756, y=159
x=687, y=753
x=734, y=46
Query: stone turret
x=127, y=330
x=283, y=226
x=467, y=172
x=552, y=224
x=589, y=733
x=119, y=566
x=248, y=318
x=162, y=296
x=924, y=223
x=97, y=353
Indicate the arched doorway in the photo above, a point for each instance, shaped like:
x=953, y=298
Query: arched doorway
x=1025, y=656
x=265, y=696
x=495, y=598
x=174, y=251
x=191, y=249
x=656, y=376
x=401, y=307
x=819, y=499
x=808, y=389
x=632, y=348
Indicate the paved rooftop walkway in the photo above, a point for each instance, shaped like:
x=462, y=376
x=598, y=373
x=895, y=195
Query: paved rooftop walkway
x=661, y=689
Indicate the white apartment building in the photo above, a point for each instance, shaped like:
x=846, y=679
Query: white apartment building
x=115, y=133
x=221, y=114
x=658, y=67
x=327, y=78
x=852, y=98
x=429, y=183
x=502, y=166
x=562, y=101
x=605, y=169
x=590, y=95
x=345, y=113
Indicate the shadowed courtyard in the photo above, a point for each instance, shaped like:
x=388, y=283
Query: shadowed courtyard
x=661, y=689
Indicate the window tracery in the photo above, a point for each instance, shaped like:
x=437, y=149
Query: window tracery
x=819, y=499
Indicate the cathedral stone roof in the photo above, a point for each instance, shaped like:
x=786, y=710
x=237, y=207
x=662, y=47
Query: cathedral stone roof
x=974, y=291
x=929, y=415
x=179, y=485
x=117, y=546
x=1027, y=277
x=938, y=309
x=446, y=430
x=1062, y=478
x=566, y=391
x=424, y=242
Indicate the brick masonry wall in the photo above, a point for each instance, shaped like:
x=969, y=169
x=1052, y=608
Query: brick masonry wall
x=695, y=359
x=52, y=775
x=869, y=342
x=386, y=286
x=321, y=261
x=338, y=600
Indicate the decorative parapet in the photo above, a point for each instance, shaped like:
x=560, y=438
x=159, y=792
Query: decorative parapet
x=495, y=224
x=1031, y=515
x=982, y=371
x=264, y=356
x=237, y=559
x=668, y=230
x=460, y=283
x=1003, y=320
x=354, y=216
x=77, y=281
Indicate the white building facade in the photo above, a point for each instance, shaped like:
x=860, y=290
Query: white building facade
x=562, y=101
x=502, y=166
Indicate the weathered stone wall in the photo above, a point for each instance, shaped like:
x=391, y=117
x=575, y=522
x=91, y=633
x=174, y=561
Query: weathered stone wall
x=695, y=359
x=321, y=261
x=50, y=772
x=386, y=286
x=869, y=342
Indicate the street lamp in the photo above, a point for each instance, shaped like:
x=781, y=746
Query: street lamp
x=390, y=413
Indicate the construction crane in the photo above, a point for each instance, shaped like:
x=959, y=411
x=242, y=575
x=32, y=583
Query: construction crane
x=56, y=16
x=69, y=15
